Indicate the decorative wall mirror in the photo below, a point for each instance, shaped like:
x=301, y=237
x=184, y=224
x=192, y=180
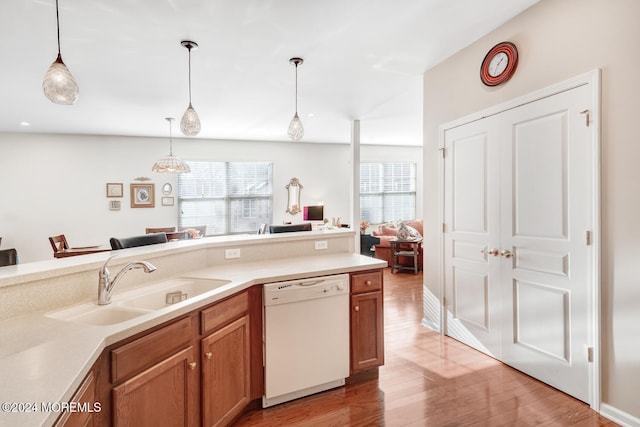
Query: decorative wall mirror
x=293, y=196
x=167, y=189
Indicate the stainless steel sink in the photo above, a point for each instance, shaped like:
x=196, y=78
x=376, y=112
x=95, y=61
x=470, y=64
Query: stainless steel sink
x=172, y=291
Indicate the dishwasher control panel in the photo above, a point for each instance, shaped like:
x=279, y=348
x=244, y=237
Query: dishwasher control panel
x=305, y=289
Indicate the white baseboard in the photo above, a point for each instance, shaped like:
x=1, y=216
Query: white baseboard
x=618, y=416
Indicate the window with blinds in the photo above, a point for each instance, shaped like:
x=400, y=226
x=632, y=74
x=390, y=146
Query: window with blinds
x=387, y=192
x=227, y=197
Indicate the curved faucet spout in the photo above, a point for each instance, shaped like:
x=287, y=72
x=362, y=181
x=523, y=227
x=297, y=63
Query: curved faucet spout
x=106, y=285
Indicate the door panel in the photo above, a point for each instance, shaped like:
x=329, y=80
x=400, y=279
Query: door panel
x=546, y=211
x=472, y=211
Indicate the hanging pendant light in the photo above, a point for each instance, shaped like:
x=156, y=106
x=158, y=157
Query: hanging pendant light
x=171, y=164
x=58, y=84
x=296, y=131
x=190, y=123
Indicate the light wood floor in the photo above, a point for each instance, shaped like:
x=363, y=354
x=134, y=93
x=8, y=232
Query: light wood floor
x=430, y=380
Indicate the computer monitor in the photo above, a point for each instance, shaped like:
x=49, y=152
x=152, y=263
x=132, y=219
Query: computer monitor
x=313, y=213
x=288, y=228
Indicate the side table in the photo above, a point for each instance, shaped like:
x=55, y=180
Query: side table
x=405, y=248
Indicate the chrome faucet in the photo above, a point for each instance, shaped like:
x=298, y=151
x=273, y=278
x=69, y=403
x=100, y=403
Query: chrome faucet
x=105, y=285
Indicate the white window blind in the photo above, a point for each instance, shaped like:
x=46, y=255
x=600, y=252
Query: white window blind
x=227, y=197
x=387, y=192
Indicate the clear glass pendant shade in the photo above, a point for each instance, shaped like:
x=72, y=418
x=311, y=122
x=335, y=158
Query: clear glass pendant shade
x=190, y=123
x=295, y=131
x=59, y=85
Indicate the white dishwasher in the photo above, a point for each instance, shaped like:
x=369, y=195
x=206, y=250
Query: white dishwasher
x=306, y=337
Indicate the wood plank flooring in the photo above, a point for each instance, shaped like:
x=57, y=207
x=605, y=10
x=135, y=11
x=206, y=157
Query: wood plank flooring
x=430, y=380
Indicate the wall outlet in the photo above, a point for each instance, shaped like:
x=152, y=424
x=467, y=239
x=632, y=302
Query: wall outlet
x=321, y=244
x=232, y=253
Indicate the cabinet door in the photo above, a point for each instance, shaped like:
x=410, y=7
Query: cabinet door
x=164, y=394
x=86, y=397
x=226, y=376
x=367, y=331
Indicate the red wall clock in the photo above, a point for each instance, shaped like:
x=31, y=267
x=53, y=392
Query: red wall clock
x=499, y=64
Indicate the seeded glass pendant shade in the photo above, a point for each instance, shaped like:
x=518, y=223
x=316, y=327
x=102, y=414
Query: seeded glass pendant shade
x=58, y=84
x=170, y=163
x=190, y=123
x=296, y=130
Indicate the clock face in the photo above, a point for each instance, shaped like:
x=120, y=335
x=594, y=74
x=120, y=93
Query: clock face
x=499, y=64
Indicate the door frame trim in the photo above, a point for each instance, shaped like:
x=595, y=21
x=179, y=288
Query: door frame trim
x=593, y=80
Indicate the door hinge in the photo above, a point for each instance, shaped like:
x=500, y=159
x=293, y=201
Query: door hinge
x=586, y=116
x=588, y=353
x=444, y=227
x=588, y=237
x=443, y=151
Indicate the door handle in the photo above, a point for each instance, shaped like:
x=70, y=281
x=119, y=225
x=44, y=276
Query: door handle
x=492, y=252
x=506, y=253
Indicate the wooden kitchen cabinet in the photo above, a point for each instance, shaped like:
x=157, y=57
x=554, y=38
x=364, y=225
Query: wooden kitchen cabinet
x=367, y=321
x=85, y=395
x=164, y=394
x=226, y=366
x=156, y=379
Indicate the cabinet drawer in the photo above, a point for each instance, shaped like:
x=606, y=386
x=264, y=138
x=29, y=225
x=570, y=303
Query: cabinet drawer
x=224, y=312
x=144, y=352
x=366, y=282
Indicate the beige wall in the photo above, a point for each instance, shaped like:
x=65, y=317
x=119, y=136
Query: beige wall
x=556, y=40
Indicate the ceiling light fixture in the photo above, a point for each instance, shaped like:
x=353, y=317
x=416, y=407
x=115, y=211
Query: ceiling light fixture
x=190, y=123
x=296, y=131
x=171, y=164
x=58, y=84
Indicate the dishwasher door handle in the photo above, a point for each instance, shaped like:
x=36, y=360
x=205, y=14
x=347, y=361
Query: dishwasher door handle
x=311, y=283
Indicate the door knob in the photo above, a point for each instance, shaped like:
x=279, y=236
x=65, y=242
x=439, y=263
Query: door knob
x=506, y=253
x=492, y=252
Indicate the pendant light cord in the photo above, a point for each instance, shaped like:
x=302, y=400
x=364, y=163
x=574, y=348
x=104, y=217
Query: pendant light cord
x=58, y=26
x=296, y=87
x=170, y=138
x=189, y=74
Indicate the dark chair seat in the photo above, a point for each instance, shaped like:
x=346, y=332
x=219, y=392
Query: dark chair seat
x=8, y=257
x=143, y=240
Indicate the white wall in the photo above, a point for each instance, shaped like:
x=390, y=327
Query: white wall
x=556, y=40
x=55, y=184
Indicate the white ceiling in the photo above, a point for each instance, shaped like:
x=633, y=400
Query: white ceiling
x=363, y=59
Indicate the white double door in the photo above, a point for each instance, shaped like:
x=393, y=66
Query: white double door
x=518, y=216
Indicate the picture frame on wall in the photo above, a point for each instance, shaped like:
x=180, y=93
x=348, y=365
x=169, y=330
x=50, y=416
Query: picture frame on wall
x=114, y=189
x=142, y=195
x=167, y=201
x=114, y=205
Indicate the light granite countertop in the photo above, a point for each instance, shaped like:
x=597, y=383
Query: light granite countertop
x=44, y=360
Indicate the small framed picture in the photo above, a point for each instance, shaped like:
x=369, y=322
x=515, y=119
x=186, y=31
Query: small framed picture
x=114, y=205
x=167, y=201
x=114, y=189
x=142, y=195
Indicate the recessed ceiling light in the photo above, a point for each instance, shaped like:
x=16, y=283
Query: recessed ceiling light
x=25, y=123
x=310, y=115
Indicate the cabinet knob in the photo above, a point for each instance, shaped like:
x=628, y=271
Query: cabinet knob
x=192, y=365
x=356, y=308
x=208, y=355
x=368, y=283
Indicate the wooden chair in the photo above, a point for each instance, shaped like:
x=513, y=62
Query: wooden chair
x=160, y=230
x=8, y=257
x=58, y=243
